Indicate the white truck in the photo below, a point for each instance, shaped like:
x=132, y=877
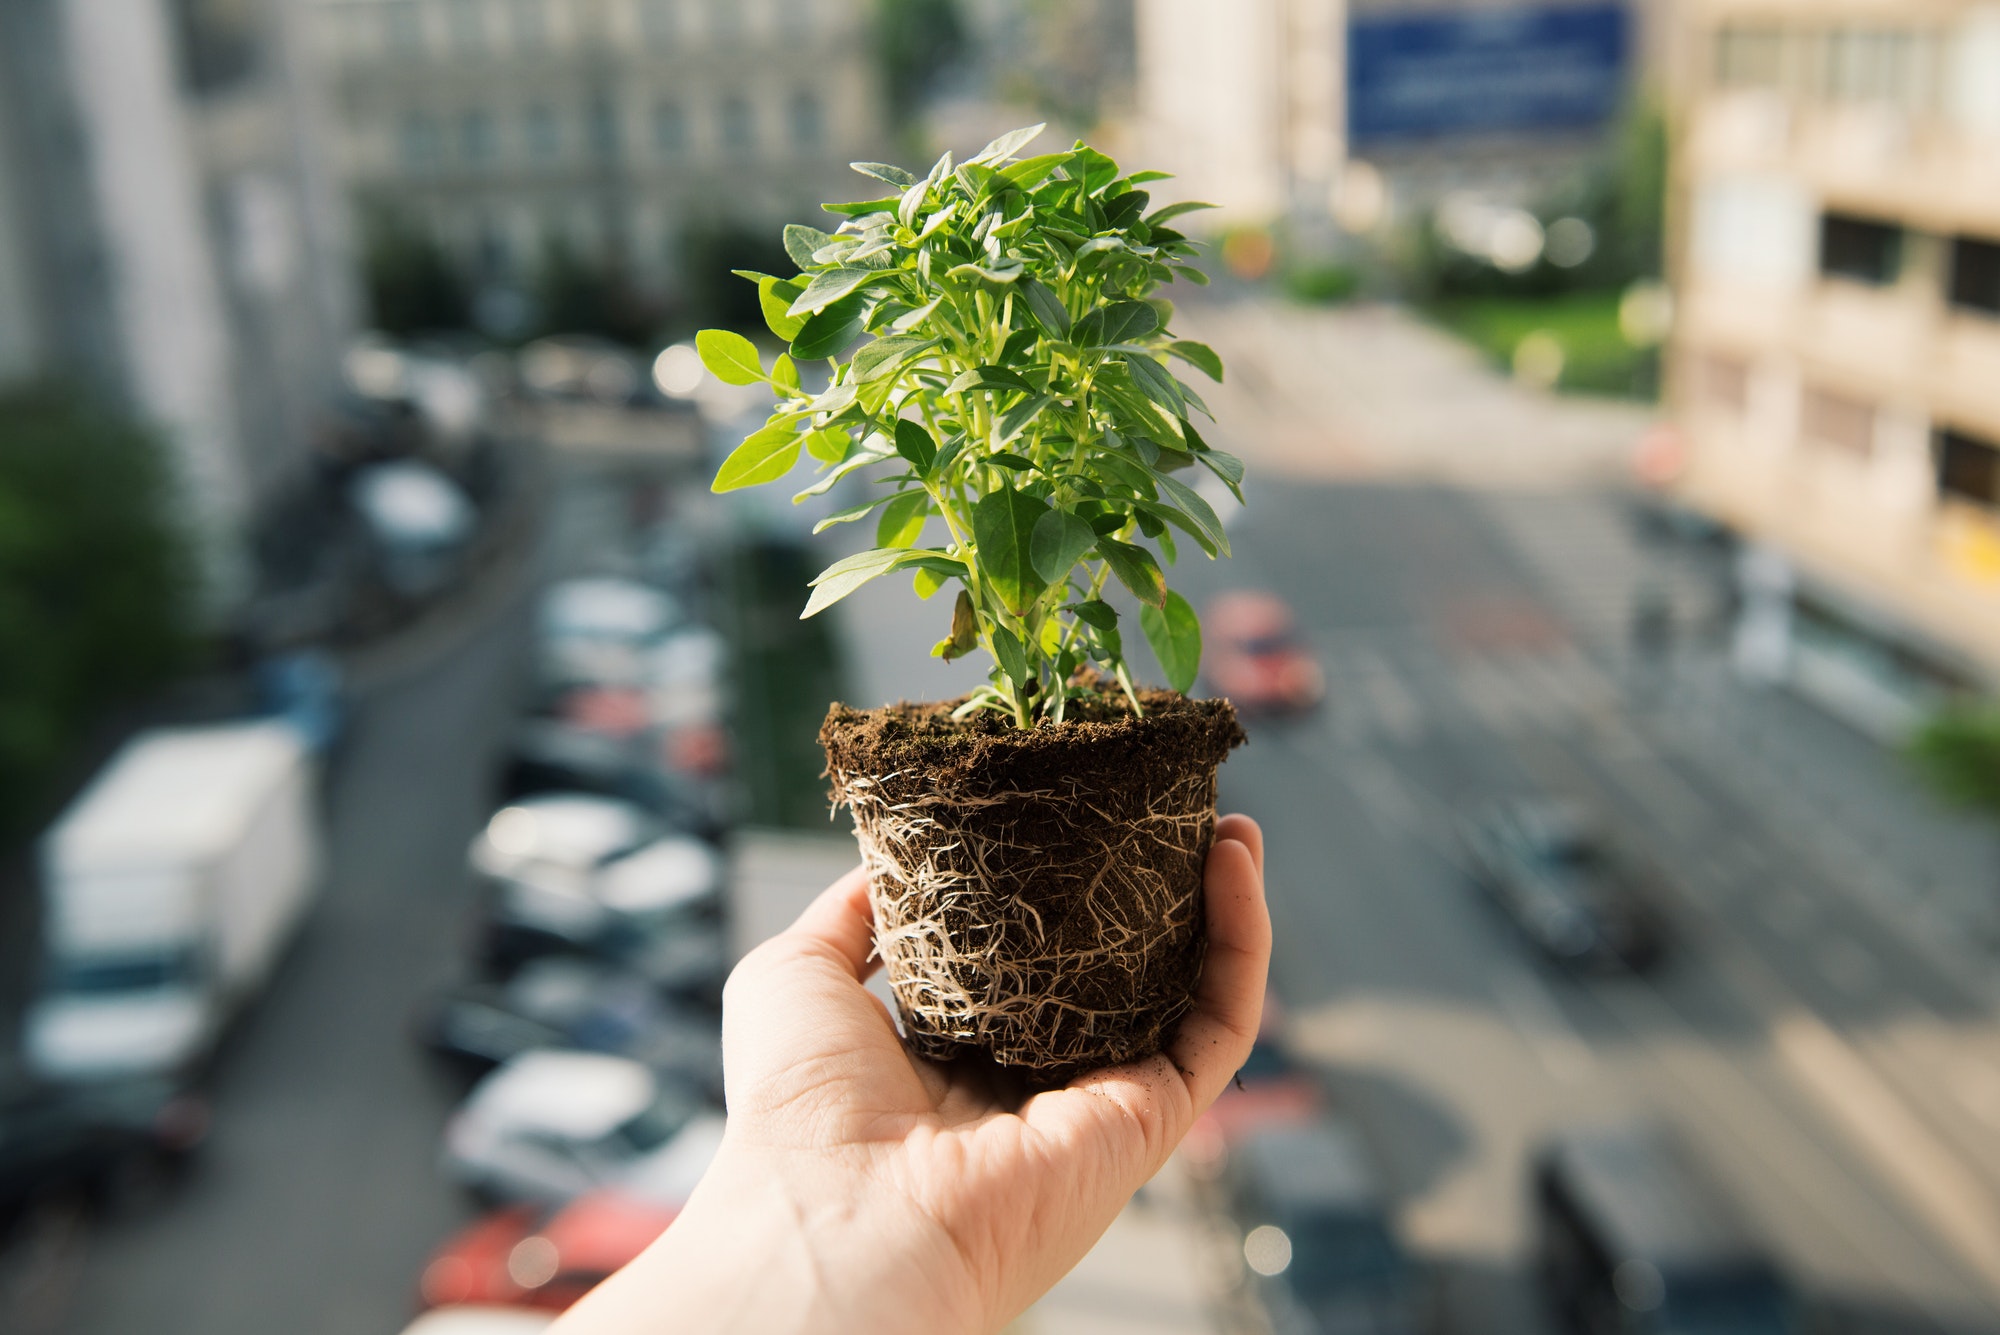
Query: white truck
x=170, y=887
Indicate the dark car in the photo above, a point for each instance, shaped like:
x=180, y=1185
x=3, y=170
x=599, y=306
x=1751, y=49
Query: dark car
x=62, y=1139
x=1318, y=1239
x=1547, y=869
x=1635, y=1238
x=573, y=1003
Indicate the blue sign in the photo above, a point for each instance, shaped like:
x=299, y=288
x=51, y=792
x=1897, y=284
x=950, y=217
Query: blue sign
x=1415, y=77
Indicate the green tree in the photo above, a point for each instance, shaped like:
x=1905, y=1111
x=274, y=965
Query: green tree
x=412, y=284
x=97, y=583
x=916, y=41
x=1958, y=751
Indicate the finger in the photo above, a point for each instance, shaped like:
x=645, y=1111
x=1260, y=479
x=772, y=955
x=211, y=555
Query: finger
x=1126, y=1120
x=838, y=925
x=1214, y=1040
x=1246, y=832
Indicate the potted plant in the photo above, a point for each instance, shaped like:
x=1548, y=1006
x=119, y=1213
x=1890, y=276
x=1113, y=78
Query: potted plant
x=998, y=358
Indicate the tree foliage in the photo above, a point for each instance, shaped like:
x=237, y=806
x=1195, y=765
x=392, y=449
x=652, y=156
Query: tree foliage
x=97, y=584
x=413, y=286
x=1958, y=750
x=1007, y=373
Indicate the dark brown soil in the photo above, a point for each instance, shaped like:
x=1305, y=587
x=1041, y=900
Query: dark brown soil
x=1037, y=893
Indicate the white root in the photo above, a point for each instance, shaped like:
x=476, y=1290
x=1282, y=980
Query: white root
x=1048, y=949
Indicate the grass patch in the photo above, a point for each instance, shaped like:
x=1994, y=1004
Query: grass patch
x=1596, y=357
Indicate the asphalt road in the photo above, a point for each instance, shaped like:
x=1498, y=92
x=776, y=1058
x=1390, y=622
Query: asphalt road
x=1826, y=1073
x=316, y=1199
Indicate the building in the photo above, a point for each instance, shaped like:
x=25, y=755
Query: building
x=1835, y=370
x=170, y=236
x=1305, y=110
x=610, y=128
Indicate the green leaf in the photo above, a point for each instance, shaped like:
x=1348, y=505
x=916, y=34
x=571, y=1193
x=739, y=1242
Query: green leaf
x=845, y=576
x=1122, y=211
x=927, y=582
x=1000, y=271
x=785, y=377
x=1200, y=356
x=860, y=459
x=829, y=333
x=801, y=241
x=883, y=171
x=1031, y=172
x=986, y=377
x=829, y=286
x=1190, y=503
x=964, y=637
x=1154, y=382
x=730, y=358
x=1007, y=459
x=1017, y=418
x=861, y=208
x=902, y=522
x=916, y=444
x=775, y=297
x=1007, y=145
x=1098, y=614
x=1174, y=631
x=828, y=444
x=887, y=354
x=1012, y=657
x=1148, y=177
x=1172, y=211
x=1227, y=467
x=1059, y=541
x=1003, y=525
x=1046, y=308
x=850, y=514
x=765, y=456
x=1136, y=570
x=1120, y=322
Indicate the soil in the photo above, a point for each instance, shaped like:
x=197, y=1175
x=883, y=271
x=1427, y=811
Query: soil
x=1037, y=893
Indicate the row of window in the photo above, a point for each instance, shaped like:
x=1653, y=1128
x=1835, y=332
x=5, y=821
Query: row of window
x=473, y=27
x=1900, y=66
x=1872, y=251
x=1968, y=465
x=482, y=138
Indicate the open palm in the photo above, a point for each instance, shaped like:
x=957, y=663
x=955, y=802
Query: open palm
x=861, y=1188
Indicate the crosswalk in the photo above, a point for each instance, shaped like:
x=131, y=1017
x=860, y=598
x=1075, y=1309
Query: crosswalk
x=1397, y=695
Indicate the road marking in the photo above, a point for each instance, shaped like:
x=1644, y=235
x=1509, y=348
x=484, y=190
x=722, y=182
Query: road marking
x=1543, y=1026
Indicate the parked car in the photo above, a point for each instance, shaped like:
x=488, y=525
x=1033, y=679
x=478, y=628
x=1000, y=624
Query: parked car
x=1318, y=1239
x=582, y=874
x=419, y=522
x=60, y=1139
x=1255, y=655
x=601, y=629
x=1543, y=864
x=574, y=1003
x=541, y=1257
x=170, y=887
x=1635, y=1237
x=480, y=1321
x=548, y=1126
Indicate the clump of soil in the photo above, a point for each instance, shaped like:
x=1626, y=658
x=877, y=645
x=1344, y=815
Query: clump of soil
x=1037, y=893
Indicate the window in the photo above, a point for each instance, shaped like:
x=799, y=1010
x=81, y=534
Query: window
x=807, y=121
x=1724, y=382
x=403, y=27
x=1829, y=418
x=477, y=143
x=1968, y=468
x=530, y=23
x=602, y=119
x=1749, y=58
x=219, y=42
x=659, y=21
x=1862, y=249
x=669, y=129
x=417, y=141
x=738, y=130
x=1975, y=274
x=467, y=19
x=543, y=135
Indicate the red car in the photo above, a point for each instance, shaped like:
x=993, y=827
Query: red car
x=1255, y=657
x=526, y=1256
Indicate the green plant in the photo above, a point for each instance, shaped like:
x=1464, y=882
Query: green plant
x=1016, y=388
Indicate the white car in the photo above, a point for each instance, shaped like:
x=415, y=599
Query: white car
x=549, y=1125
x=601, y=629
x=574, y=864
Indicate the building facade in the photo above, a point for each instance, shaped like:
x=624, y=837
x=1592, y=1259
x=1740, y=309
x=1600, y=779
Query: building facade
x=612, y=128
x=1835, y=371
x=170, y=237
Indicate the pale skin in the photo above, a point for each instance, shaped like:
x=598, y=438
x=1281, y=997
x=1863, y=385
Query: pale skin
x=863, y=1191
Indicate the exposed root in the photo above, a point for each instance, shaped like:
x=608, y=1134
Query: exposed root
x=1059, y=927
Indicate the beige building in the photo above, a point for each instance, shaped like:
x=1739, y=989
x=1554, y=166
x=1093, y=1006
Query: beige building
x=1835, y=223
x=611, y=126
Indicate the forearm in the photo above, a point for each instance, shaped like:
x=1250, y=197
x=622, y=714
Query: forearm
x=759, y=1253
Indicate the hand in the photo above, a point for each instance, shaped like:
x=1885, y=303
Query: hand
x=860, y=1189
